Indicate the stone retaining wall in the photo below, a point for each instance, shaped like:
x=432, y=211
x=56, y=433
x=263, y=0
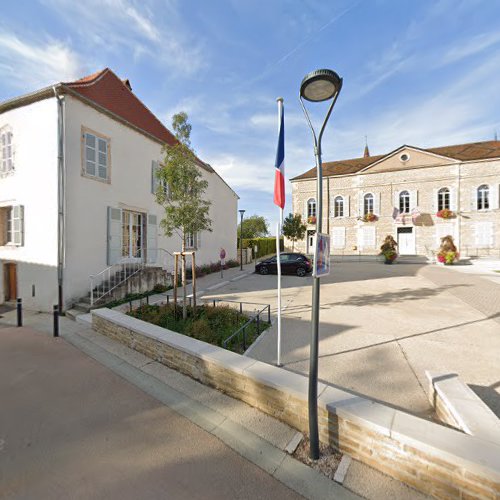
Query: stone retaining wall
x=434, y=459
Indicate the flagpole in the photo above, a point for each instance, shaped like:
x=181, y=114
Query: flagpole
x=278, y=259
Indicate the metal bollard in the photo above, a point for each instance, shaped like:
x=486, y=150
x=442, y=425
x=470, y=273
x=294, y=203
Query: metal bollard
x=258, y=324
x=269, y=313
x=19, y=306
x=56, y=320
x=168, y=300
x=147, y=300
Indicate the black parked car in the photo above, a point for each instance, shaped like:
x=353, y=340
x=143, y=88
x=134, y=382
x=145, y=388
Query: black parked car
x=291, y=263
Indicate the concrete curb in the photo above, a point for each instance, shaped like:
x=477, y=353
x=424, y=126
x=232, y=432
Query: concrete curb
x=292, y=473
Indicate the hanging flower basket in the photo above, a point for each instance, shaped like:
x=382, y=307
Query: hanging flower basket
x=369, y=217
x=446, y=214
x=311, y=220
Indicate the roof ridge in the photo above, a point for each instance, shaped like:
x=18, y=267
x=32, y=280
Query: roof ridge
x=89, y=80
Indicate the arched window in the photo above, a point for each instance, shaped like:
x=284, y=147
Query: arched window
x=311, y=208
x=483, y=197
x=338, y=206
x=404, y=202
x=443, y=199
x=368, y=203
x=6, y=150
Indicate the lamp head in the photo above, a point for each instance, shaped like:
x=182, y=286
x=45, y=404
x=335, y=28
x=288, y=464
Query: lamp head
x=320, y=85
x=241, y=211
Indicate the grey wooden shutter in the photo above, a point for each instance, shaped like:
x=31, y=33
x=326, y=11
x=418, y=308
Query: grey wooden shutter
x=154, y=179
x=114, y=235
x=347, y=209
x=152, y=239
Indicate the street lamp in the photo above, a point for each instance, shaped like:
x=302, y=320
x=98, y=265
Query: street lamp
x=241, y=239
x=319, y=86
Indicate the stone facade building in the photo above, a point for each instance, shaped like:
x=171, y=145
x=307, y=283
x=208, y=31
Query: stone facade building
x=407, y=191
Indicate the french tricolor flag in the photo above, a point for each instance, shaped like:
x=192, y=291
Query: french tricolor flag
x=279, y=176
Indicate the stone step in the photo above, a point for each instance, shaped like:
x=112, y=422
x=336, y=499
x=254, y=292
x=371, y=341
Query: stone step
x=82, y=306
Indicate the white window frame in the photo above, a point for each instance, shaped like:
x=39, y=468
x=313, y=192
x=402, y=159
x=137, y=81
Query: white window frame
x=404, y=202
x=6, y=150
x=368, y=198
x=444, y=199
x=96, y=162
x=311, y=207
x=193, y=240
x=15, y=223
x=483, y=197
x=339, y=214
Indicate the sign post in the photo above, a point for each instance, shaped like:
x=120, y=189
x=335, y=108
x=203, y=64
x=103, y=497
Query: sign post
x=322, y=254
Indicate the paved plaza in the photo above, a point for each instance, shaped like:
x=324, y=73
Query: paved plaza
x=383, y=326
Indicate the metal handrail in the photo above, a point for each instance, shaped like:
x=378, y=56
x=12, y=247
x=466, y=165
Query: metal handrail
x=118, y=273
x=100, y=282
x=255, y=318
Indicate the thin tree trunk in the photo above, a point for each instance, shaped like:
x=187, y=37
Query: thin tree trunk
x=183, y=264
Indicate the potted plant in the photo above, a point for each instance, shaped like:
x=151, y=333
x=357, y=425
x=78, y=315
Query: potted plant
x=445, y=213
x=448, y=252
x=389, y=249
x=311, y=219
x=369, y=217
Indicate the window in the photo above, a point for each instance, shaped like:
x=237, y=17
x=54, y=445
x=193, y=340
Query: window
x=96, y=156
x=338, y=206
x=338, y=237
x=311, y=208
x=157, y=182
x=443, y=199
x=483, y=197
x=12, y=225
x=193, y=240
x=484, y=234
x=368, y=204
x=6, y=151
x=404, y=202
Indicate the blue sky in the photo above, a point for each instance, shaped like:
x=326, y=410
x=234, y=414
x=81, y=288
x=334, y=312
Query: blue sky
x=423, y=73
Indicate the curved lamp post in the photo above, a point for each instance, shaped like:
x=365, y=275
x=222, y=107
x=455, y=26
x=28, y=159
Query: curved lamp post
x=241, y=239
x=319, y=86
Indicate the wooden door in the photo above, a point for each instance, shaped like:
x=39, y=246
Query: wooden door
x=10, y=289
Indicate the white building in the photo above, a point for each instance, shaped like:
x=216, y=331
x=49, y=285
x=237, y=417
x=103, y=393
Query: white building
x=77, y=190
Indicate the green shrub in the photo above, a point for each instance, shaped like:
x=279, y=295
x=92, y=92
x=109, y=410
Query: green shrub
x=265, y=246
x=159, y=288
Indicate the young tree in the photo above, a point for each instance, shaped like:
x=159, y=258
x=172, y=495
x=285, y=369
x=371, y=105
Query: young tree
x=254, y=226
x=181, y=190
x=293, y=228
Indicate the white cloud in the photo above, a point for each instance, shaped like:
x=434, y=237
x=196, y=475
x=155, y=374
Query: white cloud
x=31, y=64
x=116, y=25
x=470, y=47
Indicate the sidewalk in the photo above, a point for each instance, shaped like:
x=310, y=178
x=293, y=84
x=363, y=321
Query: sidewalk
x=135, y=427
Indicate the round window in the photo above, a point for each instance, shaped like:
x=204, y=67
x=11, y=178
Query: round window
x=404, y=157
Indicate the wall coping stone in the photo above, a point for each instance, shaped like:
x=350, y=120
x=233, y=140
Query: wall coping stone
x=471, y=414
x=470, y=452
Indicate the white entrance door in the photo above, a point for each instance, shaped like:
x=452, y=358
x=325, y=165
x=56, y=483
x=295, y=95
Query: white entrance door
x=311, y=241
x=406, y=241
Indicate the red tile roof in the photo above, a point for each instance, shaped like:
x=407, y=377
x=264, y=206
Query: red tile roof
x=108, y=91
x=462, y=152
